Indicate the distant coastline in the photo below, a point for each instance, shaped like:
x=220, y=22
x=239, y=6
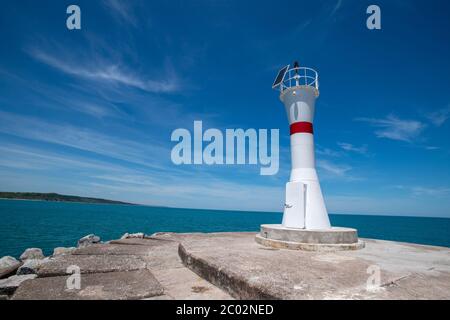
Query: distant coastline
x=55, y=197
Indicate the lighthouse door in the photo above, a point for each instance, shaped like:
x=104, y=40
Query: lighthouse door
x=294, y=207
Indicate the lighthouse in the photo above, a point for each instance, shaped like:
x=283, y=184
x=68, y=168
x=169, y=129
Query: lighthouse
x=304, y=207
x=305, y=224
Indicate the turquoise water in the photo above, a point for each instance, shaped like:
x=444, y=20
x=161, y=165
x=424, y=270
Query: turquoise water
x=46, y=225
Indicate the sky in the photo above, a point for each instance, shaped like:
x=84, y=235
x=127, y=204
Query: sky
x=90, y=112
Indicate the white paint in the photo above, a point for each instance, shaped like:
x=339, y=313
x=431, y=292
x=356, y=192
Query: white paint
x=303, y=191
x=294, y=208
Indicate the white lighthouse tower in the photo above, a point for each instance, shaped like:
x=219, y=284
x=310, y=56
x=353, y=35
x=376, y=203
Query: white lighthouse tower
x=304, y=206
x=305, y=222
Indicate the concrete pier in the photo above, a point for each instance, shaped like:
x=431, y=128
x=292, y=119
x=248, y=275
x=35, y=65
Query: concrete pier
x=127, y=269
x=233, y=265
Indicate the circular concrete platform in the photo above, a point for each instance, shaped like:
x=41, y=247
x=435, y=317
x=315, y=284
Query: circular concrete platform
x=334, y=239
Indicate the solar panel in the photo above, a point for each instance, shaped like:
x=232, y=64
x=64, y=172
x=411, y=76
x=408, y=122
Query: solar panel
x=280, y=77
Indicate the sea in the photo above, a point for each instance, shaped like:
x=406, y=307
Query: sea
x=46, y=225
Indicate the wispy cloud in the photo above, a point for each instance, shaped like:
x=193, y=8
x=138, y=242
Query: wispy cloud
x=84, y=139
x=350, y=147
x=102, y=178
x=327, y=152
x=371, y=204
x=395, y=128
x=184, y=192
x=122, y=10
x=335, y=169
x=418, y=191
x=425, y=191
x=20, y=157
x=336, y=7
x=439, y=117
x=102, y=70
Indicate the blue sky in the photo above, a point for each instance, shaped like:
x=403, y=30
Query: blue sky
x=90, y=112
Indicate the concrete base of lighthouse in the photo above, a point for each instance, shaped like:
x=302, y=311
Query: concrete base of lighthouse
x=333, y=239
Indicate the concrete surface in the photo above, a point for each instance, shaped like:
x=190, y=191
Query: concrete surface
x=330, y=236
x=248, y=270
x=280, y=244
x=112, y=285
x=91, y=264
x=233, y=265
x=333, y=239
x=9, y=285
x=149, y=269
x=112, y=249
x=183, y=284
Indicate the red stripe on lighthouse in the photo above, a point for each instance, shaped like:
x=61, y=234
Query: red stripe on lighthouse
x=301, y=127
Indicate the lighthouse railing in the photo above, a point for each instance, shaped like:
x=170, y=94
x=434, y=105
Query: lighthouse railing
x=300, y=76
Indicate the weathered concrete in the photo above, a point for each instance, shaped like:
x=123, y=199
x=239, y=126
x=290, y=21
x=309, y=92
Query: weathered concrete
x=334, y=235
x=103, y=276
x=183, y=284
x=91, y=264
x=9, y=285
x=114, y=285
x=8, y=265
x=112, y=249
x=333, y=239
x=226, y=265
x=150, y=241
x=250, y=271
x=280, y=244
x=179, y=282
x=164, y=257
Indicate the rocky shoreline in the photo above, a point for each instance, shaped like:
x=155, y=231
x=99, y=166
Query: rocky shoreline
x=14, y=272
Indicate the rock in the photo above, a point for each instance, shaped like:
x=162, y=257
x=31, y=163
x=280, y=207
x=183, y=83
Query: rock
x=8, y=265
x=62, y=250
x=88, y=240
x=32, y=253
x=139, y=235
x=31, y=266
x=9, y=285
x=3, y=297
